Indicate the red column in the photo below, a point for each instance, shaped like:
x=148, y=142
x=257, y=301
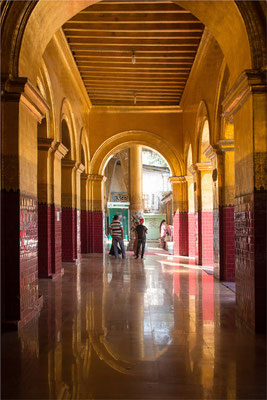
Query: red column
x=68, y=235
x=180, y=233
x=191, y=235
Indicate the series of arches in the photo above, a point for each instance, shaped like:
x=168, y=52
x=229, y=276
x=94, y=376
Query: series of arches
x=60, y=163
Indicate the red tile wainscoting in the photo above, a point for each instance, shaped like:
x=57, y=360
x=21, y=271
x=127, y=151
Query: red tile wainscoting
x=228, y=255
x=250, y=260
x=68, y=234
x=44, y=240
x=198, y=256
x=84, y=232
x=180, y=233
x=207, y=238
x=95, y=232
x=191, y=235
x=21, y=302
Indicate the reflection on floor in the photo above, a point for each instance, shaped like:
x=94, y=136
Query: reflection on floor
x=161, y=328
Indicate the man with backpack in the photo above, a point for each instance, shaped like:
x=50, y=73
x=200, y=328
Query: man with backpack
x=141, y=236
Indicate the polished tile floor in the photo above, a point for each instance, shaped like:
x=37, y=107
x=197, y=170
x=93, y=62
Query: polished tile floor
x=160, y=328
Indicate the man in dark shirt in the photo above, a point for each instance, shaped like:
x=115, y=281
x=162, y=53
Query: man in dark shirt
x=141, y=236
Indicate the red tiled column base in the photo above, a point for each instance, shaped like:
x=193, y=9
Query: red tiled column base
x=84, y=231
x=21, y=300
x=191, y=235
x=198, y=256
x=207, y=238
x=250, y=260
x=56, y=241
x=68, y=234
x=44, y=240
x=228, y=244
x=95, y=232
x=180, y=233
x=78, y=234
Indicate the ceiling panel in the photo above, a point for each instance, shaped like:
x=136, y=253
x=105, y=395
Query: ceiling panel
x=134, y=53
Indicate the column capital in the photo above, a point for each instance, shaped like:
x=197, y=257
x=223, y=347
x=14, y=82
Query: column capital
x=177, y=179
x=60, y=150
x=22, y=90
x=84, y=176
x=96, y=178
x=225, y=145
x=249, y=82
x=189, y=178
x=46, y=144
x=79, y=168
x=210, y=152
x=204, y=166
x=68, y=163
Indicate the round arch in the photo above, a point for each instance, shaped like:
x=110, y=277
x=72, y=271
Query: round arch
x=121, y=140
x=85, y=146
x=201, y=118
x=66, y=114
x=44, y=83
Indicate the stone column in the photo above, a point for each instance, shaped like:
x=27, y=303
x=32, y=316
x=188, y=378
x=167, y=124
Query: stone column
x=96, y=213
x=206, y=232
x=68, y=210
x=180, y=214
x=245, y=105
x=79, y=168
x=191, y=217
x=135, y=190
x=22, y=108
x=84, y=214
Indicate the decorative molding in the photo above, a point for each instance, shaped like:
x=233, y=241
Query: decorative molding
x=23, y=90
x=96, y=178
x=60, y=150
x=84, y=176
x=177, y=179
x=204, y=166
x=225, y=145
x=250, y=82
x=46, y=144
x=189, y=178
x=210, y=152
x=137, y=109
x=68, y=163
x=79, y=167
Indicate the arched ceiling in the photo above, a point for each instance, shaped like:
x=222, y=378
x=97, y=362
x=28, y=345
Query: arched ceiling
x=161, y=37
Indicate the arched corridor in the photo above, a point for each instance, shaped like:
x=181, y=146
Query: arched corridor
x=86, y=87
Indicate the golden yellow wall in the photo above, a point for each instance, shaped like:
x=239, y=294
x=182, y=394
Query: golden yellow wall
x=202, y=85
x=103, y=125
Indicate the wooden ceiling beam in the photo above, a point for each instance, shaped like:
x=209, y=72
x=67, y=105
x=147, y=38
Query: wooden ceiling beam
x=132, y=17
x=133, y=42
x=140, y=27
x=128, y=60
x=134, y=6
x=128, y=47
x=89, y=34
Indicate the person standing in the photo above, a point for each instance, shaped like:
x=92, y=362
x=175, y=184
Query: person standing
x=163, y=233
x=116, y=231
x=141, y=236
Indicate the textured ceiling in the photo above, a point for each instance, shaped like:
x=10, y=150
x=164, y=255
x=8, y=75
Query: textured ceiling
x=162, y=36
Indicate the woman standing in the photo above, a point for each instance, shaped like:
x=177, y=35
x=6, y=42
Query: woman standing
x=163, y=233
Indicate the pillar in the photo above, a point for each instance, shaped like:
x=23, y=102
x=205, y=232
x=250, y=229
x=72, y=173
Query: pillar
x=180, y=215
x=22, y=107
x=79, y=168
x=223, y=180
x=68, y=204
x=245, y=106
x=206, y=231
x=84, y=214
x=191, y=217
x=96, y=213
x=135, y=190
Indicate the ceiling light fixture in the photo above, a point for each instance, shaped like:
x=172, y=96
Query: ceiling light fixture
x=133, y=57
